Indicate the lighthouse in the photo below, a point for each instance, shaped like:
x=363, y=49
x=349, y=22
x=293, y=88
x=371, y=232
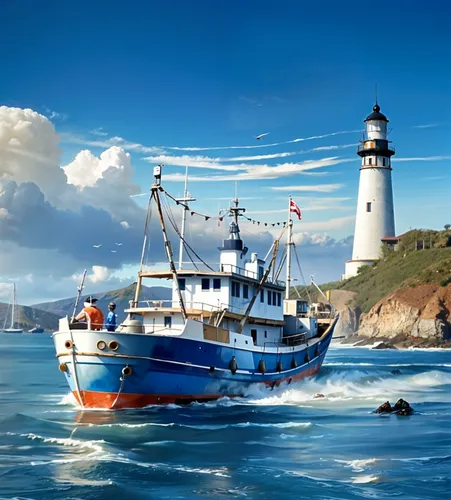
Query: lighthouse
x=375, y=218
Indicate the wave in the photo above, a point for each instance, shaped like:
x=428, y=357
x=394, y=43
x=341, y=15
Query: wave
x=95, y=445
x=280, y=425
x=358, y=465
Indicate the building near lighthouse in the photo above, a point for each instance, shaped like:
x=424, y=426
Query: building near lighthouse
x=375, y=218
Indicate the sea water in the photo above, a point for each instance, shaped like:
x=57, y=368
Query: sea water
x=281, y=444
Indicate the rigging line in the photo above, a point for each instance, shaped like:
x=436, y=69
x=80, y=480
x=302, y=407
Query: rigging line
x=302, y=274
x=281, y=263
x=173, y=223
x=187, y=245
x=193, y=212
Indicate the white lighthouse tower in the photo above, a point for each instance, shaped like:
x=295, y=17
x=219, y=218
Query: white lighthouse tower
x=375, y=217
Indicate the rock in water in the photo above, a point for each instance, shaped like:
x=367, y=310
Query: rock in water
x=383, y=345
x=402, y=408
x=385, y=408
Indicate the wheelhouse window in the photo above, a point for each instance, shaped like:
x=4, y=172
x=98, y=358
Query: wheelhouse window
x=260, y=272
x=368, y=206
x=216, y=284
x=279, y=299
x=235, y=289
x=168, y=321
x=182, y=284
x=262, y=295
x=245, y=291
x=205, y=284
x=274, y=298
x=269, y=297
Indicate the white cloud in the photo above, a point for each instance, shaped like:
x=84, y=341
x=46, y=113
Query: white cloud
x=321, y=188
x=106, y=143
x=300, y=139
x=258, y=172
x=99, y=274
x=98, y=131
x=86, y=169
x=4, y=214
x=424, y=158
x=5, y=290
x=427, y=125
x=125, y=224
x=29, y=152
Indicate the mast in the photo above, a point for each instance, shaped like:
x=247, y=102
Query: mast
x=186, y=198
x=13, y=305
x=289, y=244
x=167, y=244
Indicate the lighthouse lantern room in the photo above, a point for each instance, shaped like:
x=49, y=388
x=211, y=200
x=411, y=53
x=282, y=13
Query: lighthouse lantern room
x=375, y=217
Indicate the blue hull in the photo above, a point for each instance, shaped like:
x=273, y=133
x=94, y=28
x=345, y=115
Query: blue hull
x=174, y=370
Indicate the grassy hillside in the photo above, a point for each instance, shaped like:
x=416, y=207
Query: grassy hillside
x=406, y=267
x=28, y=317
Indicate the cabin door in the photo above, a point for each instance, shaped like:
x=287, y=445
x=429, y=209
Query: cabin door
x=254, y=336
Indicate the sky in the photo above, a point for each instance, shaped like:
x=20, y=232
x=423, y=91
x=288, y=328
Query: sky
x=94, y=94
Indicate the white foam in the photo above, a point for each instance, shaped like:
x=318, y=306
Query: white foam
x=358, y=465
x=365, y=479
x=212, y=427
x=77, y=443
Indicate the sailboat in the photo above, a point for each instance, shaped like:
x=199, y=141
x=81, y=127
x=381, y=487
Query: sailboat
x=12, y=305
x=225, y=328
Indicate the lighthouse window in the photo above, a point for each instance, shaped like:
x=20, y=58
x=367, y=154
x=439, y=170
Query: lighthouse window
x=205, y=284
x=383, y=162
x=370, y=161
x=182, y=284
x=245, y=291
x=368, y=206
x=262, y=296
x=216, y=284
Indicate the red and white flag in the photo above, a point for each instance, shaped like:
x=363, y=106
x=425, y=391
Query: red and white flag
x=294, y=208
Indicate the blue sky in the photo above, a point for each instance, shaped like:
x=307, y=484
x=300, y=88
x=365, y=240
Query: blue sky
x=206, y=74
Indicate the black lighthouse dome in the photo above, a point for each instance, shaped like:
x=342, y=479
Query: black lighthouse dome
x=376, y=114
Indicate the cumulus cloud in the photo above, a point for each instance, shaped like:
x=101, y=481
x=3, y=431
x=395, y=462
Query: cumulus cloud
x=98, y=275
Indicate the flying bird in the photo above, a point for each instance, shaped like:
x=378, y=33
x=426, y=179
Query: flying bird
x=97, y=246
x=113, y=251
x=261, y=135
x=118, y=244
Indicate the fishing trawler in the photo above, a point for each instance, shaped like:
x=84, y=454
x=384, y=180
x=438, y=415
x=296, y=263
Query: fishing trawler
x=224, y=330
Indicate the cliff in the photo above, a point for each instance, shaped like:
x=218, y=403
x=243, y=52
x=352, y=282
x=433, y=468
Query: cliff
x=415, y=316
x=404, y=298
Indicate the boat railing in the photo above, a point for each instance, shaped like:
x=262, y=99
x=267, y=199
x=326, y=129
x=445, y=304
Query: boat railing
x=229, y=268
x=293, y=340
x=156, y=304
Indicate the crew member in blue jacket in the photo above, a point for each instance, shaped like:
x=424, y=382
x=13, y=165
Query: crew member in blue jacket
x=111, y=319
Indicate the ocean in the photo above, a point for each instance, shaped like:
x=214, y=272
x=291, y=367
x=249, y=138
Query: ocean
x=282, y=444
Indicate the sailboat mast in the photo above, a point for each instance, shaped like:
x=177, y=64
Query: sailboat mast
x=289, y=244
x=13, y=305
